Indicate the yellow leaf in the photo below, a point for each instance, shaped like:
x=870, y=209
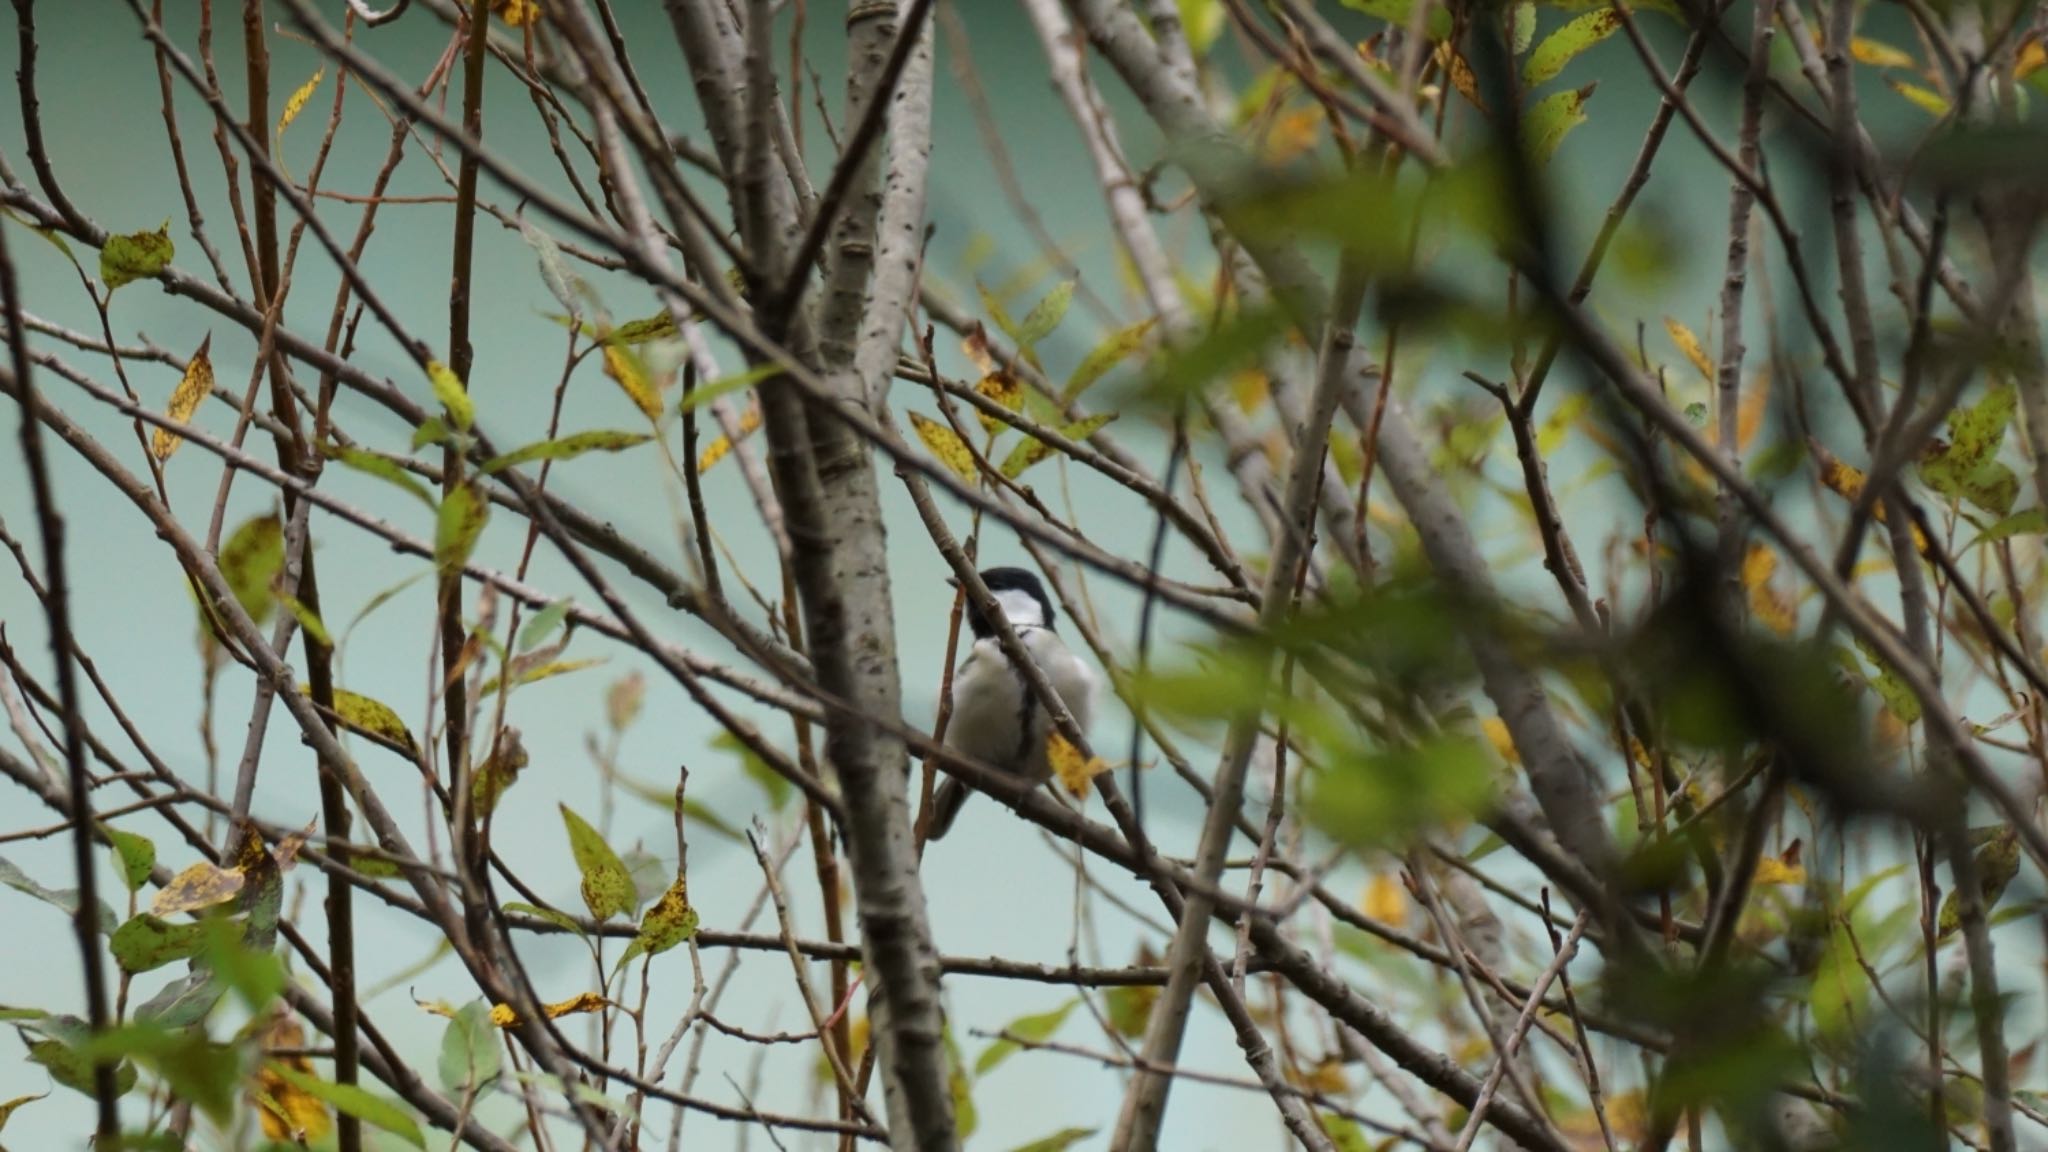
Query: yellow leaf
x=1928, y=101
x=1878, y=54
x=503, y=1016
x=297, y=103
x=1385, y=899
x=2030, y=60
x=719, y=448
x=1689, y=346
x=1249, y=387
x=1847, y=480
x=1293, y=134
x=1073, y=772
x=621, y=365
x=287, y=1112
x=1325, y=1076
x=1749, y=415
x=191, y=391
x=946, y=445
x=516, y=13
x=1497, y=735
x=203, y=885
x=1005, y=390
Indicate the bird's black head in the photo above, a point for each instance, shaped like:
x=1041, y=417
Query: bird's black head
x=1017, y=583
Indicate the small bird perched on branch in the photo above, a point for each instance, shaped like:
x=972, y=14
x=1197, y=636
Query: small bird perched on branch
x=996, y=717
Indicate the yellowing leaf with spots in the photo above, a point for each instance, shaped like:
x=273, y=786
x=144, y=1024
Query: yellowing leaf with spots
x=191, y=391
x=369, y=717
x=1005, y=390
x=297, y=103
x=1073, y=772
x=670, y=922
x=1998, y=861
x=1033, y=450
x=1462, y=77
x=1689, y=346
x=631, y=374
x=1385, y=899
x=1847, y=481
x=135, y=256
x=607, y=885
x=721, y=447
x=203, y=885
x=946, y=445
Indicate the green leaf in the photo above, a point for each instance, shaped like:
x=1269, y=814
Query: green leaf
x=2032, y=522
x=134, y=855
x=183, y=1002
x=147, y=943
x=64, y=898
x=470, y=1057
x=371, y=464
x=1104, y=356
x=309, y=620
x=778, y=790
x=1203, y=22
x=668, y=923
x=457, y=524
x=1399, y=12
x=1889, y=687
x=349, y=1100
x=562, y=282
x=607, y=886
x=1046, y=315
x=1549, y=120
x=525, y=672
x=1378, y=796
x=251, y=560
x=432, y=430
x=1975, y=434
x=135, y=256
x=1059, y=1141
x=453, y=395
x=73, y=1069
x=1188, y=369
x=567, y=448
x=1031, y=450
x=659, y=326
x=543, y=625
x=704, y=394
x=195, y=1068
x=254, y=974
x=965, y=1118
x=561, y=920
x=1558, y=48
x=1130, y=1008
x=1344, y=1133
x=1035, y=1028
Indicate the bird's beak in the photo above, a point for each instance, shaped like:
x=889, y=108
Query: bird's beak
x=951, y=582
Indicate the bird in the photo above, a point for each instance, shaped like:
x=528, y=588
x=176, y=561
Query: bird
x=996, y=717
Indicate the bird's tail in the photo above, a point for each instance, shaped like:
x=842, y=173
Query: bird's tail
x=946, y=804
